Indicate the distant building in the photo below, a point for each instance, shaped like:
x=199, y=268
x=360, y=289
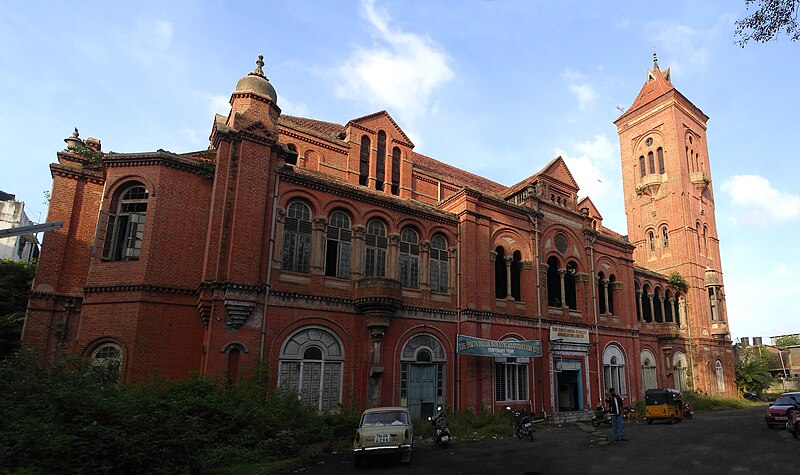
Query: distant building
x=359, y=271
x=12, y=215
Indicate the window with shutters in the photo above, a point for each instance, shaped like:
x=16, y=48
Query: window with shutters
x=296, y=255
x=511, y=378
x=380, y=163
x=614, y=370
x=338, y=245
x=409, y=258
x=660, y=152
x=439, y=264
x=395, y=171
x=124, y=228
x=363, y=167
x=375, y=245
x=311, y=364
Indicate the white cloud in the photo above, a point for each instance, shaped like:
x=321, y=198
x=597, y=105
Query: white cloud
x=758, y=202
x=400, y=70
x=687, y=50
x=293, y=108
x=579, y=86
x=588, y=166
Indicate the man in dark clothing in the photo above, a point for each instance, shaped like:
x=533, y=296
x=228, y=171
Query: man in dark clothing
x=615, y=410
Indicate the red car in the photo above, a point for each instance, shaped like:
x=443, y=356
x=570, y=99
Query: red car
x=779, y=412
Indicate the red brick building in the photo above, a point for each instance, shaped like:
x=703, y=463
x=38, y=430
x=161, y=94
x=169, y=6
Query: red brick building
x=348, y=263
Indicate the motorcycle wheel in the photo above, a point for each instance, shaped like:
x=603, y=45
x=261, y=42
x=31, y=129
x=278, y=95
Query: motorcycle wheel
x=689, y=416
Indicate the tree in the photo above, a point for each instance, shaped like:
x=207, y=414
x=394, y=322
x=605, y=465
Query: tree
x=770, y=19
x=751, y=370
x=15, y=289
x=787, y=340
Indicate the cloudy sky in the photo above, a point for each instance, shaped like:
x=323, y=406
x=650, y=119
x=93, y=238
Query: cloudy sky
x=497, y=87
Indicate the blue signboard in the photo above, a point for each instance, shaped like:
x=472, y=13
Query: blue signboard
x=467, y=345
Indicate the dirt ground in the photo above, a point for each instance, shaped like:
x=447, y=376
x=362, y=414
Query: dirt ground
x=712, y=443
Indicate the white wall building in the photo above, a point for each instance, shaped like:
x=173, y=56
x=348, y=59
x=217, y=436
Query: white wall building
x=12, y=215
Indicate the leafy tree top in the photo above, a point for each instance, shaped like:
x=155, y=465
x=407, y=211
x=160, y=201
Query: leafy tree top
x=769, y=19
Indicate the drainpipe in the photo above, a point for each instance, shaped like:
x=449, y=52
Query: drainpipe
x=592, y=238
x=457, y=392
x=268, y=285
x=535, y=223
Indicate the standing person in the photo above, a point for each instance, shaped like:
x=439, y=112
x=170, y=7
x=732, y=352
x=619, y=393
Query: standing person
x=615, y=410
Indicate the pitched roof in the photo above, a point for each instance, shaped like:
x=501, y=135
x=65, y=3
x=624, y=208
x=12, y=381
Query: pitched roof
x=456, y=175
x=320, y=128
x=657, y=84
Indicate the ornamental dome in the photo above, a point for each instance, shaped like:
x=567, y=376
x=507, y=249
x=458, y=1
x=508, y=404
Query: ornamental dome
x=257, y=83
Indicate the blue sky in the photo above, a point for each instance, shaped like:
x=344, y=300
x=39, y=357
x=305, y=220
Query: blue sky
x=498, y=88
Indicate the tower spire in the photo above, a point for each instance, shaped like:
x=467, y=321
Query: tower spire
x=655, y=60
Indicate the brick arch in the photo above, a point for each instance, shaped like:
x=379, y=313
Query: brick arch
x=307, y=198
x=573, y=238
x=339, y=205
x=519, y=243
x=120, y=182
x=283, y=333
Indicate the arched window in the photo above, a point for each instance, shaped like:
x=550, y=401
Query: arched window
x=665, y=236
x=409, y=258
x=651, y=162
x=380, y=165
x=338, y=246
x=553, y=283
x=311, y=364
x=376, y=244
x=601, y=292
x=234, y=355
x=439, y=264
x=511, y=378
x=679, y=367
x=642, y=169
x=651, y=239
x=614, y=369
x=660, y=153
x=125, y=227
x=363, y=168
x=516, y=272
x=658, y=314
x=647, y=314
x=720, y=376
x=296, y=255
x=395, y=171
x=649, y=378
x=611, y=280
x=570, y=287
x=108, y=357
x=705, y=240
x=699, y=242
x=500, y=278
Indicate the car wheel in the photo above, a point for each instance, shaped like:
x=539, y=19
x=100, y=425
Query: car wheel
x=358, y=460
x=649, y=421
x=672, y=420
x=405, y=457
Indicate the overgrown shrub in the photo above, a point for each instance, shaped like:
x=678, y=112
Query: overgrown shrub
x=67, y=416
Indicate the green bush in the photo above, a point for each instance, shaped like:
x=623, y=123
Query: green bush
x=67, y=416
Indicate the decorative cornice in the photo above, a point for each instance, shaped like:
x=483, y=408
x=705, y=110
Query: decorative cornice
x=77, y=174
x=140, y=288
x=319, y=143
x=354, y=193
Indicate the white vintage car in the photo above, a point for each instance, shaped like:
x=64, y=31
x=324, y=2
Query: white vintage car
x=384, y=430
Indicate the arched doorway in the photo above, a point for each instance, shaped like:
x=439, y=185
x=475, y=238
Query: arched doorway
x=422, y=365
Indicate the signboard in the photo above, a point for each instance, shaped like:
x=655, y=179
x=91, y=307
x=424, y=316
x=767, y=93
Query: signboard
x=569, y=334
x=467, y=345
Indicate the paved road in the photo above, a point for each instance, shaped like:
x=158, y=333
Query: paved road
x=712, y=443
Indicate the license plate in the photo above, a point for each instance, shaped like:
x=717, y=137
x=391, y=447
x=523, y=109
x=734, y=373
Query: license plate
x=781, y=418
x=381, y=438
x=445, y=438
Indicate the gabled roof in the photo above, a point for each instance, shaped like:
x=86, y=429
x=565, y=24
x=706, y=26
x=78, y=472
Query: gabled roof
x=319, y=128
x=381, y=114
x=593, y=211
x=556, y=170
x=657, y=84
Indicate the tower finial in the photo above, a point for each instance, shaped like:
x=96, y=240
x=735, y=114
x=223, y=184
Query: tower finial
x=655, y=59
x=259, y=71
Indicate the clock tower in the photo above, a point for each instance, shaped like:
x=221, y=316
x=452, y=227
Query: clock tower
x=669, y=203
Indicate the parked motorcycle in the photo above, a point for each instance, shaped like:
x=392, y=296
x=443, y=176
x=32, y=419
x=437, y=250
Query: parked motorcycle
x=523, y=424
x=600, y=416
x=441, y=427
x=688, y=411
x=793, y=424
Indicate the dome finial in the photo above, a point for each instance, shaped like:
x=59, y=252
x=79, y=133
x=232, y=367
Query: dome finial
x=259, y=71
x=655, y=59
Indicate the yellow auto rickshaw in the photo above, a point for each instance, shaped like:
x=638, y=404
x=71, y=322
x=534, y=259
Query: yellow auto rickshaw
x=663, y=404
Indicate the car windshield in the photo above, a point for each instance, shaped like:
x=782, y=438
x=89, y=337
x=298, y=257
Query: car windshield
x=385, y=418
x=786, y=401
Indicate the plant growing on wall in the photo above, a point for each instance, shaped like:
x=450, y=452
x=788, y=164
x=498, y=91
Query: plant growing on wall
x=677, y=281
